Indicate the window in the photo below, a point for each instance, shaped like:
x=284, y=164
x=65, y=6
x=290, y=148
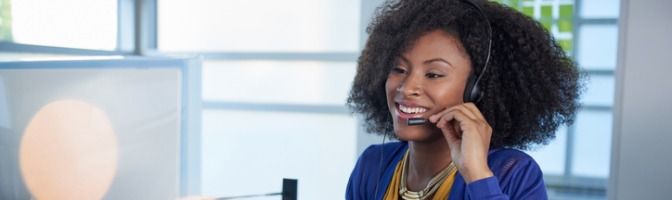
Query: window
x=275, y=78
x=5, y=21
x=259, y=26
x=68, y=23
x=576, y=163
x=285, y=82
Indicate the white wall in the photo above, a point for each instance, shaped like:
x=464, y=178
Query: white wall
x=642, y=111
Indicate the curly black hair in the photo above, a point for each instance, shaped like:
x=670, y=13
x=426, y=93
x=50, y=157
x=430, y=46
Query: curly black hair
x=530, y=88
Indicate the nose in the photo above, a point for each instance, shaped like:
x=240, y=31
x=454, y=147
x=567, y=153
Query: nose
x=410, y=86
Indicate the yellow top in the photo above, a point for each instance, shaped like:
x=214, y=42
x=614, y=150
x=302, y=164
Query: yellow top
x=442, y=193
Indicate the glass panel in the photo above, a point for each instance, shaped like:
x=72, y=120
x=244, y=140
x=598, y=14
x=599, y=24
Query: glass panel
x=592, y=144
x=566, y=45
x=600, y=91
x=555, y=15
x=242, y=157
x=547, y=12
x=565, y=25
x=597, y=46
x=551, y=158
x=256, y=25
x=65, y=23
x=302, y=82
x=547, y=22
x=567, y=11
x=5, y=21
x=599, y=8
x=110, y=129
x=528, y=10
x=513, y=3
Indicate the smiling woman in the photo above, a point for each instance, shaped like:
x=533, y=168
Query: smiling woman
x=435, y=67
x=487, y=78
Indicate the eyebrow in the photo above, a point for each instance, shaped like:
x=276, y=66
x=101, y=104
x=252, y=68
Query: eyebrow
x=437, y=60
x=428, y=61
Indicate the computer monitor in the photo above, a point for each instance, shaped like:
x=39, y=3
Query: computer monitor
x=110, y=128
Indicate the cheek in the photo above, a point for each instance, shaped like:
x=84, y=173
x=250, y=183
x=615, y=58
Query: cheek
x=447, y=94
x=390, y=87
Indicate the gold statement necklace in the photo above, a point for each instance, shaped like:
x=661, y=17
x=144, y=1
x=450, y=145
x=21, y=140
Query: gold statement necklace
x=429, y=189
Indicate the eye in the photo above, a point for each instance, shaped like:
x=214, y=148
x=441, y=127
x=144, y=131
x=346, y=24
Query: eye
x=398, y=70
x=433, y=75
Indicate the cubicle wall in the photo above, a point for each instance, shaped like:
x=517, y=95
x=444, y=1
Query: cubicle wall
x=111, y=128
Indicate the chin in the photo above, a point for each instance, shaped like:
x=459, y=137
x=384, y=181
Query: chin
x=415, y=133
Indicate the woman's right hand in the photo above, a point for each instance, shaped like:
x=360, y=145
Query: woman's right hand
x=468, y=136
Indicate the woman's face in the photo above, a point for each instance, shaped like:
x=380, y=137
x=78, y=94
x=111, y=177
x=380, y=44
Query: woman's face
x=428, y=78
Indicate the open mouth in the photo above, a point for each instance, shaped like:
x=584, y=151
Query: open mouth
x=406, y=112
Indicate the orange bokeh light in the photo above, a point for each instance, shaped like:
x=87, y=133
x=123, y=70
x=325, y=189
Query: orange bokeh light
x=69, y=151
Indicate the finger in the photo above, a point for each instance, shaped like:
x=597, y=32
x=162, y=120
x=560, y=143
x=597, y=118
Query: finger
x=434, y=118
x=468, y=112
x=457, y=115
x=484, y=126
x=451, y=136
x=441, y=119
x=472, y=107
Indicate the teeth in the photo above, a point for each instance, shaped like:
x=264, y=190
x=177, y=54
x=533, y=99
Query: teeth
x=412, y=110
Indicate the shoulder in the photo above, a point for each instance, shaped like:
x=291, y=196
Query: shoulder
x=370, y=167
x=378, y=154
x=508, y=153
x=516, y=174
x=390, y=148
x=513, y=167
x=505, y=157
x=511, y=164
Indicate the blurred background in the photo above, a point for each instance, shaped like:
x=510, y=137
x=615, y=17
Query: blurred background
x=269, y=79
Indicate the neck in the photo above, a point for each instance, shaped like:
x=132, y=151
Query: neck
x=426, y=159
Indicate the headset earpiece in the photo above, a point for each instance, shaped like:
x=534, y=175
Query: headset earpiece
x=471, y=92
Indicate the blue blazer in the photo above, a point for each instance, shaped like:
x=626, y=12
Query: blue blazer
x=517, y=175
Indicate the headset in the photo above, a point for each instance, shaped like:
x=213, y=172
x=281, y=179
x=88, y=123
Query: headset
x=472, y=93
